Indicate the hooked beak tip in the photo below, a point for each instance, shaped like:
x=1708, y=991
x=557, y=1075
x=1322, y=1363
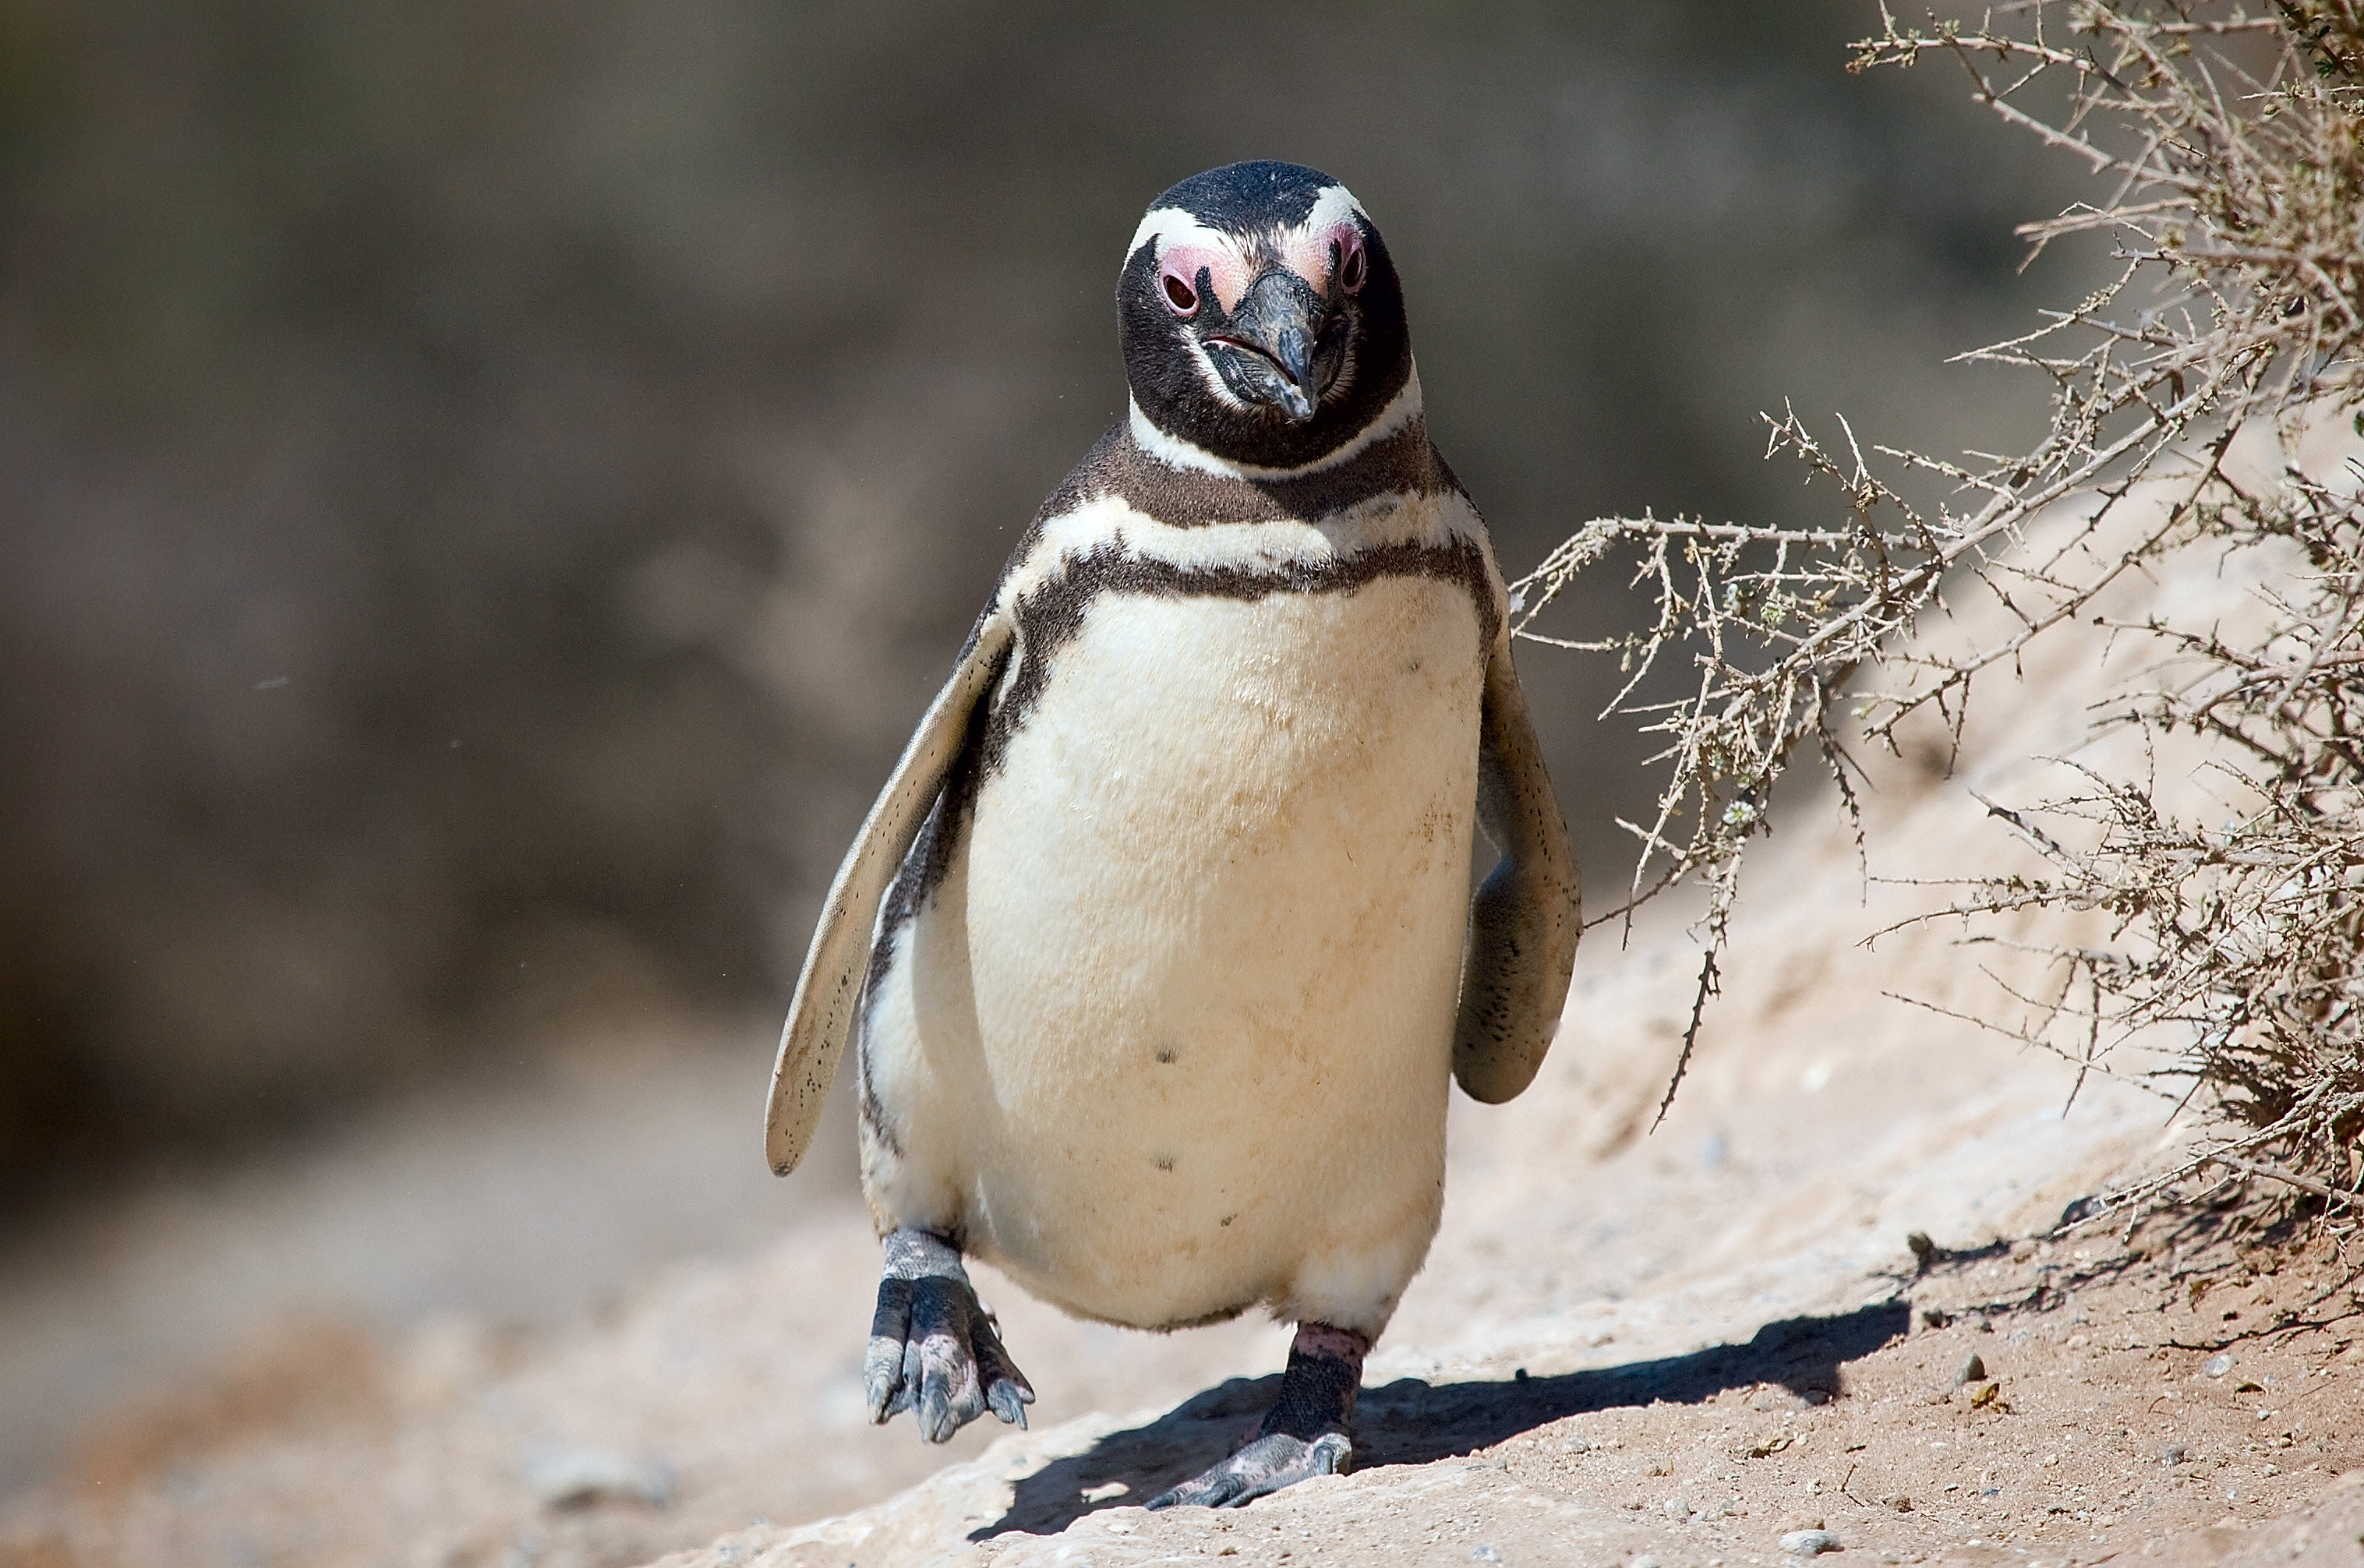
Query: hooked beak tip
x=1277, y=323
x=1300, y=391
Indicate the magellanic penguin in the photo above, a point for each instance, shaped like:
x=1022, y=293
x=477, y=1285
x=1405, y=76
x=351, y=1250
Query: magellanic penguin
x=1158, y=947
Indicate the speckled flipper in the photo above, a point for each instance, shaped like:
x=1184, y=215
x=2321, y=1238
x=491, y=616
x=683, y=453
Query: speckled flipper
x=821, y=1016
x=935, y=1349
x=1303, y=1435
x=1525, y=920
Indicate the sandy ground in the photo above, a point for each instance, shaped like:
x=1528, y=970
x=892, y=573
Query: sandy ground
x=1686, y=1346
x=1722, y=1334
x=551, y=1182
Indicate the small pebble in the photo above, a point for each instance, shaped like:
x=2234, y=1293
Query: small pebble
x=2219, y=1364
x=1645, y=1560
x=578, y=1477
x=1972, y=1370
x=1899, y=1501
x=1485, y=1554
x=1810, y=1542
x=2171, y=1454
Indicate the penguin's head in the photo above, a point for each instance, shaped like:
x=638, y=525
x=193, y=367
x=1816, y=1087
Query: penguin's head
x=1261, y=319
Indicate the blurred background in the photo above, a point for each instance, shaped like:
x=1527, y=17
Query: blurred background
x=487, y=488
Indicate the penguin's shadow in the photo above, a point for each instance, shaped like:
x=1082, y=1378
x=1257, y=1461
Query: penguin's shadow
x=1413, y=1422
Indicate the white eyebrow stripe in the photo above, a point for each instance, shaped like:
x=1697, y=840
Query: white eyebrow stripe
x=1172, y=223
x=1334, y=204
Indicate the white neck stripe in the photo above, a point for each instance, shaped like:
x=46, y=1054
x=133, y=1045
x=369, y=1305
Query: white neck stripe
x=1176, y=452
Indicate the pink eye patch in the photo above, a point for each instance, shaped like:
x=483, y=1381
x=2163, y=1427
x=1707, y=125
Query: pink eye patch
x=1332, y=259
x=1179, y=265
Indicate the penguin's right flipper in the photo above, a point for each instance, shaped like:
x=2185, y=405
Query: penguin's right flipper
x=821, y=1016
x=1526, y=918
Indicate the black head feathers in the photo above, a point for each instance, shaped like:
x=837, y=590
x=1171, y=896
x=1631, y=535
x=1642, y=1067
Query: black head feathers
x=1262, y=321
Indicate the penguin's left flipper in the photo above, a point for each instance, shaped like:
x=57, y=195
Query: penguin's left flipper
x=1526, y=917
x=822, y=1014
x=935, y=1349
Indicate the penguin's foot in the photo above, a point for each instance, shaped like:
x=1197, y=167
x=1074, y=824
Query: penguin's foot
x=1303, y=1435
x=1271, y=1461
x=935, y=1349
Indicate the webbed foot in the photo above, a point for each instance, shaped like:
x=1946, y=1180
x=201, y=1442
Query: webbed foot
x=1271, y=1461
x=1303, y=1435
x=935, y=1349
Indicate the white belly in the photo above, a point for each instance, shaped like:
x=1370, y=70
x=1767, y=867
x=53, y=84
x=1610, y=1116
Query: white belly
x=1174, y=1035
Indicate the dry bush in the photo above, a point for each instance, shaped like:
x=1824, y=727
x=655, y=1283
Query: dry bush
x=2228, y=142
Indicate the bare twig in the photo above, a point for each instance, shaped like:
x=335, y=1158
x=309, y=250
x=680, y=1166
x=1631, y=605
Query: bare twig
x=2232, y=148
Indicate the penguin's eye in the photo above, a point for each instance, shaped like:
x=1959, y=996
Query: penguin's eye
x=1353, y=269
x=1180, y=295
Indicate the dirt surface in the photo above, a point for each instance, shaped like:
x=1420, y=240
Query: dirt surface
x=1676, y=1346
x=2112, y=1418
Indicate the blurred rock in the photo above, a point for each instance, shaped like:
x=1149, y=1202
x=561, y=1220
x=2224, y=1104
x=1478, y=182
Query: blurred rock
x=578, y=1477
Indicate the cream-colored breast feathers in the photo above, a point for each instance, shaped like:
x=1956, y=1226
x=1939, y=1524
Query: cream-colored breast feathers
x=1171, y=1033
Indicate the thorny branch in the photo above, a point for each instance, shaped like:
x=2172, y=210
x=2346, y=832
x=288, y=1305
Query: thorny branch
x=2232, y=142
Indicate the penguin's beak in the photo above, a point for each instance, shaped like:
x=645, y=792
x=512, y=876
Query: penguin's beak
x=1274, y=332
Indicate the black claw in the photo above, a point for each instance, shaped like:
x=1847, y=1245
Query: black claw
x=1004, y=1399
x=883, y=1377
x=1007, y=1392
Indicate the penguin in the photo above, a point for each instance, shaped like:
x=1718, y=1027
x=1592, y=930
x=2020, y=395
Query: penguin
x=1158, y=951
